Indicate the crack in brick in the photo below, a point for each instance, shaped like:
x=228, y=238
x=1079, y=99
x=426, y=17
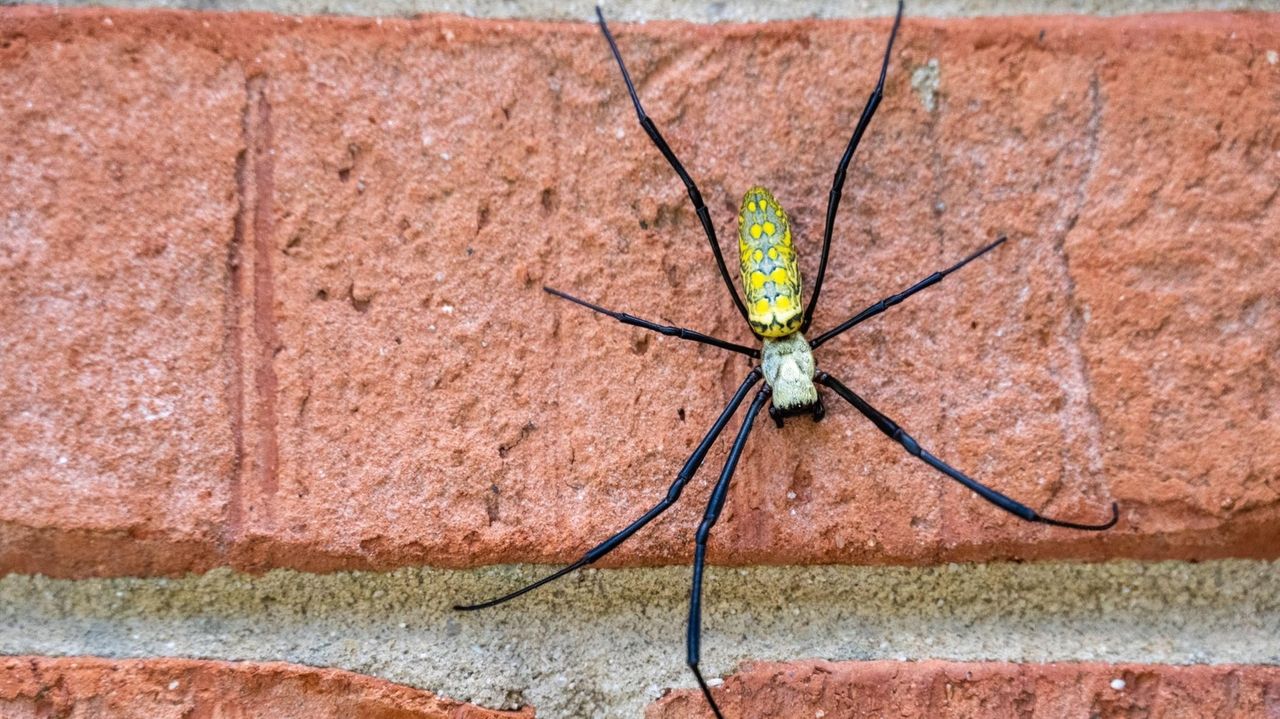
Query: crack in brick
x=264, y=326
x=233, y=341
x=264, y=292
x=932, y=522
x=1078, y=387
x=256, y=456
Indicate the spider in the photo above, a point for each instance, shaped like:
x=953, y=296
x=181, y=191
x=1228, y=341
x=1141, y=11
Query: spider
x=777, y=318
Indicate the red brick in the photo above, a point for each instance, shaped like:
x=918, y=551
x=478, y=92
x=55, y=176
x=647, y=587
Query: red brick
x=117, y=199
x=378, y=379
x=848, y=690
x=33, y=687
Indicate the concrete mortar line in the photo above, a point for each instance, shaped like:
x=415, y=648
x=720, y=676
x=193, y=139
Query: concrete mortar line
x=607, y=642
x=704, y=11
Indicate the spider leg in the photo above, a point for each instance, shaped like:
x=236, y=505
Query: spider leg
x=892, y=300
x=686, y=473
x=668, y=330
x=897, y=434
x=837, y=185
x=694, y=195
x=718, y=495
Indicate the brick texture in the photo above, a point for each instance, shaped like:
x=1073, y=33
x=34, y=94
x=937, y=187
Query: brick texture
x=74, y=687
x=851, y=690
x=116, y=205
x=271, y=288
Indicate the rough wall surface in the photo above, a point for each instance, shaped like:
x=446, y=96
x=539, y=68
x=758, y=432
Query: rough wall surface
x=607, y=643
x=270, y=297
x=957, y=689
x=36, y=687
x=272, y=288
x=690, y=10
x=88, y=687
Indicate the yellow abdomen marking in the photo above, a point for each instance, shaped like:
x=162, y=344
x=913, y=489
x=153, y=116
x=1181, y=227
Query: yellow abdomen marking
x=770, y=275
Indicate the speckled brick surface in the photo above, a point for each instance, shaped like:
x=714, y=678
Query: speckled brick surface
x=163, y=688
x=271, y=288
x=853, y=690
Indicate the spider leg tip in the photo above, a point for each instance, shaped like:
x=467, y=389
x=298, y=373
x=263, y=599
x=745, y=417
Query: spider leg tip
x=1115, y=517
x=557, y=293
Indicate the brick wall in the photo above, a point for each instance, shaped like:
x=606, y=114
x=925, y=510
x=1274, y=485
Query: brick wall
x=271, y=299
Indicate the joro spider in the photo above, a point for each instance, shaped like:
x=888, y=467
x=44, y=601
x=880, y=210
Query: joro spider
x=773, y=311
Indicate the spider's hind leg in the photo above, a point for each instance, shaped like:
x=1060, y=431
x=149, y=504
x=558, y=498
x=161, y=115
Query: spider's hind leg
x=686, y=473
x=899, y=435
x=693, y=638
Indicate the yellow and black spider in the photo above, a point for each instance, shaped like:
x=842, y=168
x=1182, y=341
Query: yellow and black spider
x=776, y=316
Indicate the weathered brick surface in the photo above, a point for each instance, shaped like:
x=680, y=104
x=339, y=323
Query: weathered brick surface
x=37, y=687
x=850, y=690
x=117, y=198
x=272, y=288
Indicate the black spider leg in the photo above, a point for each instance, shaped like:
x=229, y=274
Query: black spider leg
x=718, y=495
x=897, y=434
x=686, y=474
x=669, y=330
x=892, y=300
x=694, y=195
x=837, y=185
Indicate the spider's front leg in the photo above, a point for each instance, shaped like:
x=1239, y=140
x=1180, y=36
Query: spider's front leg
x=837, y=183
x=695, y=196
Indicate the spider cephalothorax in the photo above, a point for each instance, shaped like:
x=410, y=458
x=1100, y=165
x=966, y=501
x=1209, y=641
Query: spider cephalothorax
x=788, y=367
x=774, y=313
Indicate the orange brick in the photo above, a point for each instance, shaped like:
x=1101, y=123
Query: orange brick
x=298, y=321
x=850, y=690
x=117, y=199
x=32, y=687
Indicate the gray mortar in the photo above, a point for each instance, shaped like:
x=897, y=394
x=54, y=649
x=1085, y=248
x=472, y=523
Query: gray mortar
x=925, y=81
x=606, y=643
x=694, y=10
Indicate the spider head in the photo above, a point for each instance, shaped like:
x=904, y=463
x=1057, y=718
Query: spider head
x=788, y=367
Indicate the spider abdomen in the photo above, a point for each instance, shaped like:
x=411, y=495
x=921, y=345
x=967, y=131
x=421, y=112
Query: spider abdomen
x=770, y=275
